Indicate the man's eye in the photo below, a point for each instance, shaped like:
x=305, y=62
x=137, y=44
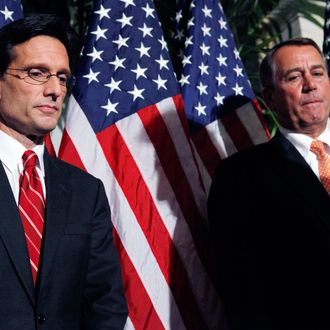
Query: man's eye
x=293, y=78
x=63, y=78
x=35, y=73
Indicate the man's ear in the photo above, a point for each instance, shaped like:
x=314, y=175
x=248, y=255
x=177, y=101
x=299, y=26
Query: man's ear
x=268, y=96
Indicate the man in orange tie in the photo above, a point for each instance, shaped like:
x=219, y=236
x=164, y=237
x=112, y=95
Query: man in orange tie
x=269, y=207
x=59, y=269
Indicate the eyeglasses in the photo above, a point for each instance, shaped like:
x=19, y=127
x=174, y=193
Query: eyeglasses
x=38, y=76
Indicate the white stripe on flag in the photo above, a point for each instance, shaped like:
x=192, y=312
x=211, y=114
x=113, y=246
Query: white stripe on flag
x=252, y=124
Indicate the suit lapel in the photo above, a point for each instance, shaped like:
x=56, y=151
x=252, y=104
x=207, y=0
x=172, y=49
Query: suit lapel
x=12, y=235
x=58, y=197
x=302, y=179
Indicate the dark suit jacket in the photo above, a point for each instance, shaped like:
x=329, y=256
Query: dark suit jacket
x=79, y=282
x=270, y=222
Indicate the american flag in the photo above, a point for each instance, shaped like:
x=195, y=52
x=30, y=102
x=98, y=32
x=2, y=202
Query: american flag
x=326, y=41
x=224, y=115
x=126, y=125
x=10, y=10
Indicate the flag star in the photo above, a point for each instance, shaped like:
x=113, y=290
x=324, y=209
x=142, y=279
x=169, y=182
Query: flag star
x=181, y=54
x=100, y=33
x=110, y=107
x=128, y=3
x=186, y=60
x=92, y=76
x=192, y=5
x=121, y=41
x=201, y=109
x=125, y=20
x=140, y=72
x=238, y=71
x=188, y=41
x=222, y=41
x=180, y=35
x=146, y=30
x=103, y=12
x=114, y=85
x=178, y=16
x=160, y=82
x=163, y=43
x=219, y=99
x=202, y=88
x=205, y=49
x=96, y=55
x=162, y=63
x=222, y=60
x=223, y=24
x=238, y=90
x=206, y=30
x=236, y=53
x=221, y=79
x=204, y=68
x=184, y=80
x=191, y=22
x=207, y=11
x=149, y=11
x=143, y=50
x=7, y=13
x=118, y=63
x=137, y=93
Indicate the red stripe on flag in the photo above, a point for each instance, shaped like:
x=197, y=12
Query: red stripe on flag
x=141, y=310
x=206, y=150
x=49, y=145
x=167, y=154
x=236, y=130
x=68, y=151
x=258, y=110
x=141, y=202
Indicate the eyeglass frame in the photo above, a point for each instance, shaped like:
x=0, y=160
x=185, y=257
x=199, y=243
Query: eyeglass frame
x=71, y=79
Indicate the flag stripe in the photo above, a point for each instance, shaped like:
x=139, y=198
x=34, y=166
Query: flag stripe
x=182, y=192
x=136, y=293
x=71, y=154
x=122, y=218
x=135, y=188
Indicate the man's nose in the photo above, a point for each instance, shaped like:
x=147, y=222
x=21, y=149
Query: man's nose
x=53, y=87
x=309, y=83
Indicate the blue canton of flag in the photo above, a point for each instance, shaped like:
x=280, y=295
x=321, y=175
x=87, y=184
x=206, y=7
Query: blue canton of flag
x=128, y=73
x=10, y=10
x=220, y=105
x=326, y=42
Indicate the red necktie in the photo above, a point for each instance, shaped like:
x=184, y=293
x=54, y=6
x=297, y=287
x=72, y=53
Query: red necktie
x=31, y=208
x=324, y=163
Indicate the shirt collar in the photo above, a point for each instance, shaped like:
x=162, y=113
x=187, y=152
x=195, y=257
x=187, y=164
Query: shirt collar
x=303, y=142
x=11, y=152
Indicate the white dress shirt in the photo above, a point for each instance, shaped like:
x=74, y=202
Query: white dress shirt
x=11, y=152
x=303, y=143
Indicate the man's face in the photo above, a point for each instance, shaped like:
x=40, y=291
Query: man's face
x=301, y=96
x=33, y=109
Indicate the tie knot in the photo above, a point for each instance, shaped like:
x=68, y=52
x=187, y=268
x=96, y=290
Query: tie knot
x=318, y=148
x=29, y=159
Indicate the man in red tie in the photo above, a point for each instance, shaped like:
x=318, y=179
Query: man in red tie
x=269, y=206
x=58, y=266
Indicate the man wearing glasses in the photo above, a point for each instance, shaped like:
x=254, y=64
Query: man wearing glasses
x=58, y=266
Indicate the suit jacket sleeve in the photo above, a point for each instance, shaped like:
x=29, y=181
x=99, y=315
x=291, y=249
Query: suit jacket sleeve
x=104, y=302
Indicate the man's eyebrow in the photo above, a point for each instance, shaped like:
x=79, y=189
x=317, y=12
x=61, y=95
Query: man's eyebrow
x=301, y=69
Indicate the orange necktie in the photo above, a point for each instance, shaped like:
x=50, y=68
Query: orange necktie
x=324, y=163
x=31, y=208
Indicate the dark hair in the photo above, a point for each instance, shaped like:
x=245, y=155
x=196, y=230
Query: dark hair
x=26, y=28
x=267, y=67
